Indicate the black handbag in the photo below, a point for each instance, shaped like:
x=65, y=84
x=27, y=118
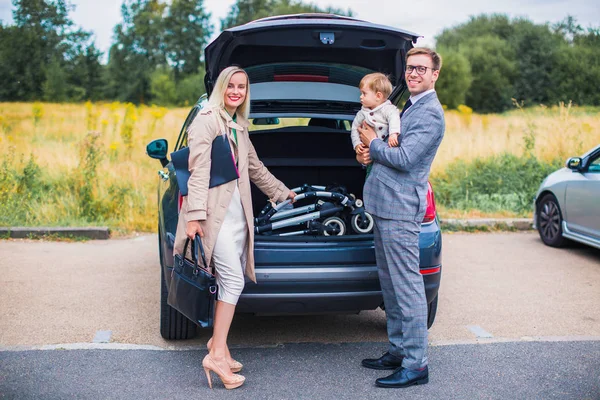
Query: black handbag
x=193, y=288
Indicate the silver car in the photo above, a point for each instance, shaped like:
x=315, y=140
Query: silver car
x=567, y=204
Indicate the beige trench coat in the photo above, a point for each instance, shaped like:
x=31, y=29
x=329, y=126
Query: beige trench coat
x=209, y=206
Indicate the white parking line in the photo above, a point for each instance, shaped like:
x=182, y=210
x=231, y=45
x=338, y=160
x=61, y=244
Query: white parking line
x=102, y=337
x=479, y=331
x=516, y=340
x=125, y=346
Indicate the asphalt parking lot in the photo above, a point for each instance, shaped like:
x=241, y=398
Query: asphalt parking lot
x=511, y=311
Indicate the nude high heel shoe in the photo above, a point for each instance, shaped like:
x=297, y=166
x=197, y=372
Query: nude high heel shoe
x=232, y=382
x=234, y=365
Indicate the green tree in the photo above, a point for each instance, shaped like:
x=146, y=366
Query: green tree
x=568, y=28
x=591, y=38
x=534, y=63
x=18, y=81
x=577, y=64
x=39, y=27
x=244, y=11
x=187, y=29
x=93, y=79
x=536, y=49
x=55, y=85
x=493, y=69
x=139, y=49
x=190, y=88
x=455, y=78
x=85, y=74
x=42, y=34
x=167, y=92
x=162, y=87
x=576, y=70
x=483, y=41
x=497, y=25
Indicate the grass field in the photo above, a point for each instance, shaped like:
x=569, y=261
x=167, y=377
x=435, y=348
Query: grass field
x=55, y=172
x=558, y=132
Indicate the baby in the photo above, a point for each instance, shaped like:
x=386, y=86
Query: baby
x=376, y=111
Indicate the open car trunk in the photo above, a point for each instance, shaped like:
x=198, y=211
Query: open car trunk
x=309, y=66
x=308, y=155
x=307, y=39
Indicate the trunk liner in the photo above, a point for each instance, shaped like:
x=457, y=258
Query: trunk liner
x=313, y=155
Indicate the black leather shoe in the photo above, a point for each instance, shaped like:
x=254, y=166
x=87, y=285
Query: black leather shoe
x=386, y=361
x=404, y=377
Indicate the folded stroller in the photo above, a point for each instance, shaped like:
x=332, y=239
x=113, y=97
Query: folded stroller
x=329, y=211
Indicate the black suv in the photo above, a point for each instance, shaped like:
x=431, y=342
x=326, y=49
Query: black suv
x=304, y=72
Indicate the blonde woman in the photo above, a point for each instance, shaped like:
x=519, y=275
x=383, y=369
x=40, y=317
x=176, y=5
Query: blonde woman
x=222, y=215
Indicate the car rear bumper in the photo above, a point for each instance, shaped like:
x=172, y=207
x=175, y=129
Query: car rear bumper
x=313, y=278
x=305, y=302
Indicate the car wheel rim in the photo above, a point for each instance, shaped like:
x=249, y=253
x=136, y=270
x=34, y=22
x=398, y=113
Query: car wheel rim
x=550, y=220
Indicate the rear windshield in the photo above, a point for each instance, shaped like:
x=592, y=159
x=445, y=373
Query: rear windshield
x=307, y=72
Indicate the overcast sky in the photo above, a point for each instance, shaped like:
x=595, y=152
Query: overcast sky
x=426, y=18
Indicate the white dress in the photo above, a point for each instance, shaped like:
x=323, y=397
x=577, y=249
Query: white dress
x=229, y=254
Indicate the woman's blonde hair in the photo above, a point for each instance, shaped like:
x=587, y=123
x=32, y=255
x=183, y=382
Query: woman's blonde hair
x=217, y=97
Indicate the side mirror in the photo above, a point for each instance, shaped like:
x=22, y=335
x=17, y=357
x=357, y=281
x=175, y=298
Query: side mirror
x=574, y=163
x=158, y=149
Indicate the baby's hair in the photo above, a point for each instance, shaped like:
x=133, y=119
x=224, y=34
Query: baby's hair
x=377, y=82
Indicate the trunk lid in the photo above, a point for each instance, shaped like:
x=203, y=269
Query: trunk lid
x=320, y=48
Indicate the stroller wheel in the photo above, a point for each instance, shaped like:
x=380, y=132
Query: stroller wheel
x=336, y=224
x=362, y=225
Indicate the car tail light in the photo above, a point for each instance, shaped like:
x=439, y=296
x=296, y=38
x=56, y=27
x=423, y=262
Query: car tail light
x=179, y=201
x=430, y=210
x=430, y=271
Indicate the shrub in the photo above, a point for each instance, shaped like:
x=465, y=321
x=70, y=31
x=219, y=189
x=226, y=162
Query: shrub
x=21, y=187
x=91, y=156
x=502, y=182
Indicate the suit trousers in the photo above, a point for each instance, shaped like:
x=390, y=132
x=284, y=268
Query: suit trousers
x=397, y=255
x=229, y=254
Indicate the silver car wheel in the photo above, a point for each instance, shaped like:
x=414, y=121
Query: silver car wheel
x=549, y=221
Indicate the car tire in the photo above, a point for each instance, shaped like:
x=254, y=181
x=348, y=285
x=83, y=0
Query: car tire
x=431, y=311
x=549, y=221
x=173, y=324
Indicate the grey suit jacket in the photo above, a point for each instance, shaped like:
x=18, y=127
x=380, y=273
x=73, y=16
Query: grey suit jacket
x=396, y=188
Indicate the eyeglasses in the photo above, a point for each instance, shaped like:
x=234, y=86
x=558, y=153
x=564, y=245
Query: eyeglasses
x=421, y=70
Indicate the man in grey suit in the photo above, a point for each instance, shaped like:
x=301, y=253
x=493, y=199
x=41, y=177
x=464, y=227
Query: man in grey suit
x=395, y=194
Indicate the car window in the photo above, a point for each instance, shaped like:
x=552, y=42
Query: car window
x=182, y=140
x=344, y=74
x=595, y=165
x=261, y=124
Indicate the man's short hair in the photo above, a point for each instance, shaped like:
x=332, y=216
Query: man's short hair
x=377, y=82
x=436, y=59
